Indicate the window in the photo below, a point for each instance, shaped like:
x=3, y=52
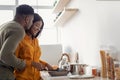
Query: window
x=7, y=2
x=46, y=2
x=37, y=2
x=30, y=2
x=42, y=7
x=4, y=16
x=48, y=36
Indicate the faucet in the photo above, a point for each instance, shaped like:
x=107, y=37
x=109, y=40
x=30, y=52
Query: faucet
x=64, y=62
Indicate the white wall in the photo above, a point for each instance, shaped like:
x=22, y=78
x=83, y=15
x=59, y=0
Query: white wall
x=96, y=24
x=109, y=22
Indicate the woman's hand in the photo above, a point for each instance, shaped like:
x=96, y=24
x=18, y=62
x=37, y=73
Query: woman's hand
x=51, y=68
x=39, y=66
x=55, y=67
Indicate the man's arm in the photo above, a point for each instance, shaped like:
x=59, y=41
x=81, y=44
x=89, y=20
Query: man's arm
x=8, y=49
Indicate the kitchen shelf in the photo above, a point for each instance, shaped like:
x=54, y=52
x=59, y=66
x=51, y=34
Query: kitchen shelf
x=65, y=16
x=59, y=6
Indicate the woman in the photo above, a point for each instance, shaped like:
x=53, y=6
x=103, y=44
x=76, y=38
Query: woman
x=29, y=51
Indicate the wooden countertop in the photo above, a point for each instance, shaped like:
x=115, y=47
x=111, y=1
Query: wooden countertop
x=46, y=76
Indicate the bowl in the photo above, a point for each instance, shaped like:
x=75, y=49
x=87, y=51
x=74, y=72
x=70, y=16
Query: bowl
x=58, y=73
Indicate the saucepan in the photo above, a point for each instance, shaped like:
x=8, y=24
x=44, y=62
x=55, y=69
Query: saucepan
x=77, y=69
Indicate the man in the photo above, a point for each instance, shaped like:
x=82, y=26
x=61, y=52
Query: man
x=11, y=34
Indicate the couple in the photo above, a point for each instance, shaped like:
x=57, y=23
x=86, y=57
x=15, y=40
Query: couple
x=19, y=48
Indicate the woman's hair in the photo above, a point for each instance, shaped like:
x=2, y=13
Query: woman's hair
x=37, y=17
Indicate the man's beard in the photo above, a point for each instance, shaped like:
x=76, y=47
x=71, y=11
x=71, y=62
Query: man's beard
x=27, y=27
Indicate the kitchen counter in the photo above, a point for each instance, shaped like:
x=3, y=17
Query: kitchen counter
x=46, y=76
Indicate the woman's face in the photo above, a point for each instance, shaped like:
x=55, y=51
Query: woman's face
x=36, y=27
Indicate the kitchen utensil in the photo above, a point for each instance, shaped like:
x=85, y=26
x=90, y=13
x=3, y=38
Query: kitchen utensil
x=77, y=69
x=58, y=72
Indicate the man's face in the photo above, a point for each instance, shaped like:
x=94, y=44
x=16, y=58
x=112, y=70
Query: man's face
x=29, y=21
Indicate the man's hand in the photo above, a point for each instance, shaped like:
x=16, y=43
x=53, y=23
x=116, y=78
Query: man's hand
x=38, y=65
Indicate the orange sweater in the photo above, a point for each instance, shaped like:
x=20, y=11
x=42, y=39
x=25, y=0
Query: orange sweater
x=29, y=50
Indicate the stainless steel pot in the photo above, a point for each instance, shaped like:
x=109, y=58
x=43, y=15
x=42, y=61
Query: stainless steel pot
x=77, y=69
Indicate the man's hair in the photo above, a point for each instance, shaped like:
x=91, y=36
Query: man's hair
x=24, y=10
